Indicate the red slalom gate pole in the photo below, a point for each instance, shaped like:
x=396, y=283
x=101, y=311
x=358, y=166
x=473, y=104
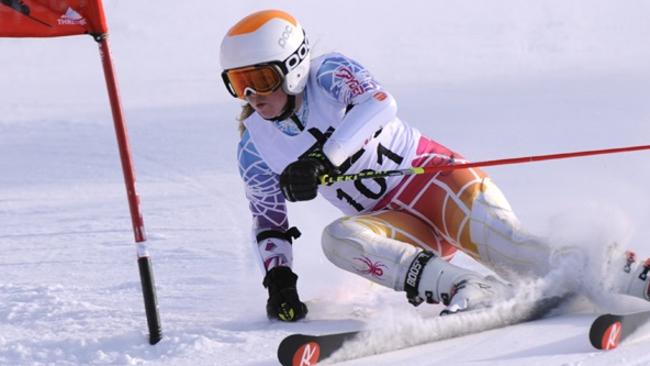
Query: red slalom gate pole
x=534, y=158
x=123, y=142
x=144, y=262
x=326, y=179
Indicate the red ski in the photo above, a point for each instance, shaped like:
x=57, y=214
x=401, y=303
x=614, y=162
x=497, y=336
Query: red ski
x=304, y=350
x=308, y=350
x=609, y=330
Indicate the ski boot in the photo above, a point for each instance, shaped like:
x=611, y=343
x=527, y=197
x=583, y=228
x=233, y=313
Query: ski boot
x=633, y=280
x=434, y=280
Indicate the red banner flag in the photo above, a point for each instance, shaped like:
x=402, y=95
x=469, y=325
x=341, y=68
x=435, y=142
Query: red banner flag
x=51, y=18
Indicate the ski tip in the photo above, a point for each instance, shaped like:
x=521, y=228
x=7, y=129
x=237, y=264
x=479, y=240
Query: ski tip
x=296, y=350
x=612, y=337
x=606, y=332
x=306, y=354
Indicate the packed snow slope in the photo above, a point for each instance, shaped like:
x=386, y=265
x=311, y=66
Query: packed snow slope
x=490, y=80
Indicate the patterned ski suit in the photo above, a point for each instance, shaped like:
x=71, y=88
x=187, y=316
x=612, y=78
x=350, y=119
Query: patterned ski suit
x=348, y=114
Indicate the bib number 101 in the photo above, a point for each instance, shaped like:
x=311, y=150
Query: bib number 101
x=376, y=190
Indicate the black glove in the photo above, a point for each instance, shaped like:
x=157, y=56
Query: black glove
x=284, y=303
x=299, y=180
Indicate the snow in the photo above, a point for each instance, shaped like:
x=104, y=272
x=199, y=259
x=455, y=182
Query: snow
x=489, y=80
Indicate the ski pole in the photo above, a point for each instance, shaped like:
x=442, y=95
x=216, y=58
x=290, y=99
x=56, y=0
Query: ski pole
x=326, y=179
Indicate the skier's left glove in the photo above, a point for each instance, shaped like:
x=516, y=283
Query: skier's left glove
x=284, y=303
x=299, y=181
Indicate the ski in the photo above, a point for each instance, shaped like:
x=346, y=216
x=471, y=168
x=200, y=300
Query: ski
x=308, y=350
x=304, y=350
x=609, y=330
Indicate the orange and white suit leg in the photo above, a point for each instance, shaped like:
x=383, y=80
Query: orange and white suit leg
x=461, y=209
x=468, y=210
x=380, y=246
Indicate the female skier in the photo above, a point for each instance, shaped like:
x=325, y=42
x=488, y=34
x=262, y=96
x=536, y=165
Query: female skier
x=305, y=118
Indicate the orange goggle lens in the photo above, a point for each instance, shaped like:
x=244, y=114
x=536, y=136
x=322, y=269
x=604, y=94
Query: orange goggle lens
x=264, y=80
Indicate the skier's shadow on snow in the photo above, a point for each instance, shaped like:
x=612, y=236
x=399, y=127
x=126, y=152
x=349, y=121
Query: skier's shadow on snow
x=563, y=346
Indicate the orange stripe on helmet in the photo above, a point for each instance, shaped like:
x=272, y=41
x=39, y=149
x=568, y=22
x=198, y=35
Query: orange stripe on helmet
x=254, y=21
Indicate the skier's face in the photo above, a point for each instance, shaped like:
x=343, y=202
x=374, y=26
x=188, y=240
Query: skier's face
x=268, y=106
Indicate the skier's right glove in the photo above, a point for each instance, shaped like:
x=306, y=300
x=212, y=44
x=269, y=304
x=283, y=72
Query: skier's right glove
x=299, y=180
x=284, y=303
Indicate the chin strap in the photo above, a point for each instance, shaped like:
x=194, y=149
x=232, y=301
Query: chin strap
x=288, y=109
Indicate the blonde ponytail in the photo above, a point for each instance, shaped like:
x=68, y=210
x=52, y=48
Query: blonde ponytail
x=246, y=111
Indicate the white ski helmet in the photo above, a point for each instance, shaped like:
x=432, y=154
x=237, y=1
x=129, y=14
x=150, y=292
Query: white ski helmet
x=264, y=50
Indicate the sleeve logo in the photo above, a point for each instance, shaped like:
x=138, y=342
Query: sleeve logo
x=380, y=96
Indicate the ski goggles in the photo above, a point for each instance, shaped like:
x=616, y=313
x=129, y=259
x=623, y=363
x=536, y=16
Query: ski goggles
x=258, y=79
x=263, y=79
